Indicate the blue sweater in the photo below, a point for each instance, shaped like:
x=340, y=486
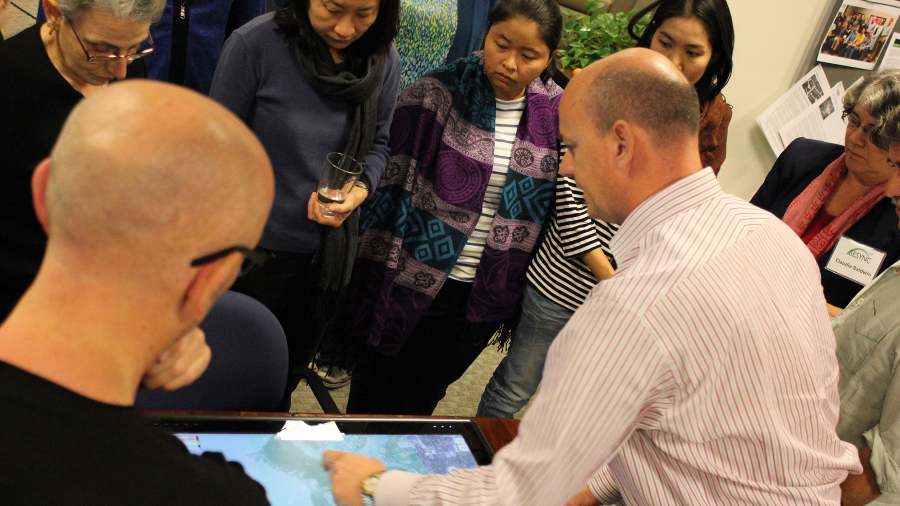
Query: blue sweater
x=259, y=80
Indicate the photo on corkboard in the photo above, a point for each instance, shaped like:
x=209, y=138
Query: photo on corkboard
x=858, y=33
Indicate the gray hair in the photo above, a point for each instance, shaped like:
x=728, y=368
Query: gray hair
x=141, y=11
x=879, y=93
x=667, y=108
x=889, y=132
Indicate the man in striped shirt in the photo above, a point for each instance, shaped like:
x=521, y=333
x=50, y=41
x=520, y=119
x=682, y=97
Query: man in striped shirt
x=702, y=373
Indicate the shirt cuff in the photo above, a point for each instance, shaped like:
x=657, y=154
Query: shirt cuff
x=394, y=487
x=886, y=469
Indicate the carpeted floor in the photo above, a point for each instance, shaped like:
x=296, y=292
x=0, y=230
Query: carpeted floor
x=461, y=400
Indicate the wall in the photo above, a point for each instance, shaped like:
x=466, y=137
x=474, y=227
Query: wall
x=771, y=39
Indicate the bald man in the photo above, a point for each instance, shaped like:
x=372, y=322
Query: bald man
x=702, y=373
x=148, y=198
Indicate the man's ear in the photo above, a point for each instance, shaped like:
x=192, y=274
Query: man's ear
x=39, y=192
x=623, y=136
x=209, y=282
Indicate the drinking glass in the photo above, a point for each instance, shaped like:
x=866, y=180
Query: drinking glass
x=339, y=173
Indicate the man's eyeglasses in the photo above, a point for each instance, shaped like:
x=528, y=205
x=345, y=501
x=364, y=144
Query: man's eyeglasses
x=252, y=258
x=111, y=58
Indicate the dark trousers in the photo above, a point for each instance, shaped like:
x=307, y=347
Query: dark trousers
x=283, y=286
x=436, y=354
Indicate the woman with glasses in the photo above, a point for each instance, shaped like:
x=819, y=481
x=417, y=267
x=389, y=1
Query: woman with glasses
x=832, y=196
x=314, y=77
x=46, y=70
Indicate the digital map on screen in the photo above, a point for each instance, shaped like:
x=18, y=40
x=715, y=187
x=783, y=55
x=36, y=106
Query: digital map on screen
x=291, y=470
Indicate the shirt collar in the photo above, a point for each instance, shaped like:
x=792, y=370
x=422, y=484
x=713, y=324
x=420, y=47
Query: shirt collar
x=672, y=200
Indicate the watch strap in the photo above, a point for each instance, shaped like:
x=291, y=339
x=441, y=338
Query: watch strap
x=368, y=487
x=362, y=184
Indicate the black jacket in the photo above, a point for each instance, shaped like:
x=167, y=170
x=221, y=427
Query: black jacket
x=803, y=161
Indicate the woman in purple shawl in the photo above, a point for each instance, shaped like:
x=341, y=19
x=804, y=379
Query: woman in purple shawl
x=447, y=236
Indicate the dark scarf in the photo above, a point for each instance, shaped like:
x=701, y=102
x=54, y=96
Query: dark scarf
x=333, y=262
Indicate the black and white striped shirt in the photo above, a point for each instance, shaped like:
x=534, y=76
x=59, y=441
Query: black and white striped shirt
x=557, y=270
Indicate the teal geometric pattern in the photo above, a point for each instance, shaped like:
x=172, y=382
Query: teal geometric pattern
x=381, y=210
x=427, y=239
x=431, y=242
x=526, y=198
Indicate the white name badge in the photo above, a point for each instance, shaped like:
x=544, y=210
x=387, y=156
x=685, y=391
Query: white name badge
x=855, y=261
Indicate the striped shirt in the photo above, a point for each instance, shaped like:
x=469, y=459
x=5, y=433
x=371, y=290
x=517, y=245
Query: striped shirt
x=505, y=126
x=557, y=270
x=702, y=373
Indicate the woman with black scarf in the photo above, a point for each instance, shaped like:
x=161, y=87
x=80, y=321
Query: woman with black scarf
x=315, y=76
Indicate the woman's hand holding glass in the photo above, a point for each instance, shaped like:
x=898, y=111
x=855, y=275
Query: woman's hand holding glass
x=338, y=194
x=353, y=200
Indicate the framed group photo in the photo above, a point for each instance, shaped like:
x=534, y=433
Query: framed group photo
x=858, y=33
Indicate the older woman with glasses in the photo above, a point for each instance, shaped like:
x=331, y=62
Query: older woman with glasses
x=46, y=70
x=832, y=196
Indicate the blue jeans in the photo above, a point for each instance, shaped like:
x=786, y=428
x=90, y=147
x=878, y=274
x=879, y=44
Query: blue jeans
x=517, y=377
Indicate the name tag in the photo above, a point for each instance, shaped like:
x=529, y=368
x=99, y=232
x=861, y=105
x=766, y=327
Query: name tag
x=855, y=261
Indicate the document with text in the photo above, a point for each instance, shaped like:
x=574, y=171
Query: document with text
x=801, y=97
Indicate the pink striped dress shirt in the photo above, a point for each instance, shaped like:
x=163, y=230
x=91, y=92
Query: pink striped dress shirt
x=702, y=373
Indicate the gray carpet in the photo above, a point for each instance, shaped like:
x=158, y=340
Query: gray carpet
x=461, y=400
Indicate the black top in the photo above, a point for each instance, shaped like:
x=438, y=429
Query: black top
x=800, y=163
x=34, y=103
x=59, y=447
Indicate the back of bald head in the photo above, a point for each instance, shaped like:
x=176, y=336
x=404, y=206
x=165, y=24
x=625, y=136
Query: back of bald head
x=153, y=170
x=642, y=87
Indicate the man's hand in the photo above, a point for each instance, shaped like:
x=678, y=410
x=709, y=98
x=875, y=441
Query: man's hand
x=180, y=364
x=583, y=498
x=859, y=489
x=341, y=211
x=347, y=474
x=833, y=310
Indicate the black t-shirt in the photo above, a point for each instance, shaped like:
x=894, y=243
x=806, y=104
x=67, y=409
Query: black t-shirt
x=58, y=447
x=35, y=101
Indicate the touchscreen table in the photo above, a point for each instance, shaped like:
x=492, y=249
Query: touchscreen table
x=289, y=463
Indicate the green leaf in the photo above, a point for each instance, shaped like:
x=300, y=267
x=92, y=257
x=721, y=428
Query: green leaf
x=588, y=38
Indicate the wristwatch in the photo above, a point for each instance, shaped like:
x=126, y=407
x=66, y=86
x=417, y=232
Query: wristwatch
x=368, y=486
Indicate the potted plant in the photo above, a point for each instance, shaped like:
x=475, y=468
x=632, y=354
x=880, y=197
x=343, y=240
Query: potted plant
x=595, y=35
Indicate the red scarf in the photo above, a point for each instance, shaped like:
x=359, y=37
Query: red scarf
x=804, y=208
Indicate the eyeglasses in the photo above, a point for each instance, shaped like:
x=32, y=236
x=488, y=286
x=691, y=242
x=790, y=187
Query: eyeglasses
x=853, y=122
x=870, y=131
x=111, y=58
x=252, y=258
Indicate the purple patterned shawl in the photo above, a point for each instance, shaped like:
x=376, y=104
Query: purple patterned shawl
x=428, y=202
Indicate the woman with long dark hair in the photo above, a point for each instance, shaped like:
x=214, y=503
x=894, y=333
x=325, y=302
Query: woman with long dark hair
x=698, y=37
x=314, y=77
x=447, y=235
